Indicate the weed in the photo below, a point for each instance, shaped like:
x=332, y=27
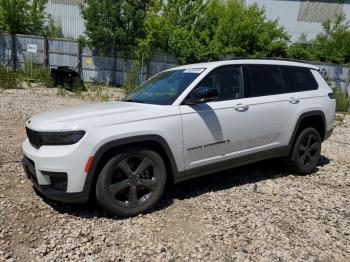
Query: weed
x=132, y=79
x=342, y=101
x=9, y=79
x=61, y=91
x=36, y=72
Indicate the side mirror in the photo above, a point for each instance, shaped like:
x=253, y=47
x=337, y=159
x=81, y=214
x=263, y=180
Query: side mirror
x=202, y=95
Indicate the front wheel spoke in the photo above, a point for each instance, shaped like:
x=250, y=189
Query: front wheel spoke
x=143, y=165
x=302, y=148
x=309, y=158
x=132, y=197
x=309, y=141
x=303, y=158
x=124, y=166
x=149, y=183
x=115, y=188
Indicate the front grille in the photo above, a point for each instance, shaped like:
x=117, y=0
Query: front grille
x=58, y=180
x=59, y=183
x=33, y=137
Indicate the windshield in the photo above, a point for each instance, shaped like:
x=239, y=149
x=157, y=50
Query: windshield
x=164, y=88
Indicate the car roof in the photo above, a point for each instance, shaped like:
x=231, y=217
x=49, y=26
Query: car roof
x=211, y=65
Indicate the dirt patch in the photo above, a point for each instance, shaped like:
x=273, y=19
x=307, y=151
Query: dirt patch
x=219, y=217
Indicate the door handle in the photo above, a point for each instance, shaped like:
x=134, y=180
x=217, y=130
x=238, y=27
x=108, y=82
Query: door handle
x=241, y=107
x=294, y=100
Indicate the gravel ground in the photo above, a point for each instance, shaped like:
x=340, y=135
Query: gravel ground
x=258, y=212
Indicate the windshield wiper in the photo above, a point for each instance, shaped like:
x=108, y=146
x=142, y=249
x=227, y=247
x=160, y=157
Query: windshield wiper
x=134, y=100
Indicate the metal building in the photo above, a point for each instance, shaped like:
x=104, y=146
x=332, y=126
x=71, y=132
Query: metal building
x=296, y=16
x=303, y=16
x=67, y=14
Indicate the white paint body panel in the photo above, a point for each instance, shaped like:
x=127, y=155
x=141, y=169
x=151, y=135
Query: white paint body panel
x=216, y=122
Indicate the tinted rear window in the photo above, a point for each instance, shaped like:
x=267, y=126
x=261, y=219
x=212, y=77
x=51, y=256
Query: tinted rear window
x=302, y=79
x=266, y=80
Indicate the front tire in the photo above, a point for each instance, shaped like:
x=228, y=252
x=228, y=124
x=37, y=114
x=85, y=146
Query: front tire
x=306, y=151
x=132, y=182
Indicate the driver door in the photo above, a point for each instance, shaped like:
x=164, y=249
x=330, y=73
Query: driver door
x=218, y=130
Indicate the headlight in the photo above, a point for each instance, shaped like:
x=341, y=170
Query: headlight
x=38, y=139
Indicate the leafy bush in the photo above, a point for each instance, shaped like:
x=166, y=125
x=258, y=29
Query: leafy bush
x=77, y=87
x=202, y=30
x=23, y=16
x=54, y=29
x=332, y=45
x=37, y=72
x=132, y=78
x=342, y=101
x=9, y=79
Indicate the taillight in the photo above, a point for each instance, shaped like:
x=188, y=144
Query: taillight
x=331, y=95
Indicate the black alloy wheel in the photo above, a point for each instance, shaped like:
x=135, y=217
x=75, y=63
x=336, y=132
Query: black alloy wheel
x=309, y=150
x=131, y=183
x=306, y=152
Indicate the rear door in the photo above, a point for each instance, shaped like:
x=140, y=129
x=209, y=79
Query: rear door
x=273, y=105
x=218, y=130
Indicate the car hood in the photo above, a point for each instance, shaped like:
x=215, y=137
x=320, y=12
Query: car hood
x=101, y=114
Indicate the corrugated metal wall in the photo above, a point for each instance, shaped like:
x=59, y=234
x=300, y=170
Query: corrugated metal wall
x=67, y=13
x=339, y=75
x=99, y=69
x=319, y=11
x=5, y=49
x=288, y=11
x=62, y=52
x=23, y=56
x=296, y=16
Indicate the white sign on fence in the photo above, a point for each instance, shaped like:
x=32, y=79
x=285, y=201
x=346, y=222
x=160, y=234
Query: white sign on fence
x=32, y=48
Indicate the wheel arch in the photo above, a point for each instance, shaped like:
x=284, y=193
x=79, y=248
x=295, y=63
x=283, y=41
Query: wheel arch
x=109, y=149
x=310, y=119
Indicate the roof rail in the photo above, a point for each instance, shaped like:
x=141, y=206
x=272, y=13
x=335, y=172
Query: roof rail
x=266, y=58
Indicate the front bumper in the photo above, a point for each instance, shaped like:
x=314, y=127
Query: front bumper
x=51, y=191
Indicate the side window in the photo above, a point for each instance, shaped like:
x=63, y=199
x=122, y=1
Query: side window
x=227, y=80
x=288, y=87
x=266, y=80
x=302, y=79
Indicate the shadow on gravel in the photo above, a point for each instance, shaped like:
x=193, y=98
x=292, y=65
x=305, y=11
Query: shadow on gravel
x=250, y=174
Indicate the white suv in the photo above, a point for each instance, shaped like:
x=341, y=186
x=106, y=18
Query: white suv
x=184, y=122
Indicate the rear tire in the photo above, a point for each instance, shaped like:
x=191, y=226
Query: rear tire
x=132, y=182
x=306, y=152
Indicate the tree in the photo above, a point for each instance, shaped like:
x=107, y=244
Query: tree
x=54, y=29
x=180, y=27
x=185, y=22
x=199, y=30
x=245, y=31
x=301, y=49
x=154, y=32
x=22, y=16
x=333, y=45
x=113, y=25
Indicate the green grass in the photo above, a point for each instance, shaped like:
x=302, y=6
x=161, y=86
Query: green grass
x=9, y=79
x=36, y=73
x=342, y=101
